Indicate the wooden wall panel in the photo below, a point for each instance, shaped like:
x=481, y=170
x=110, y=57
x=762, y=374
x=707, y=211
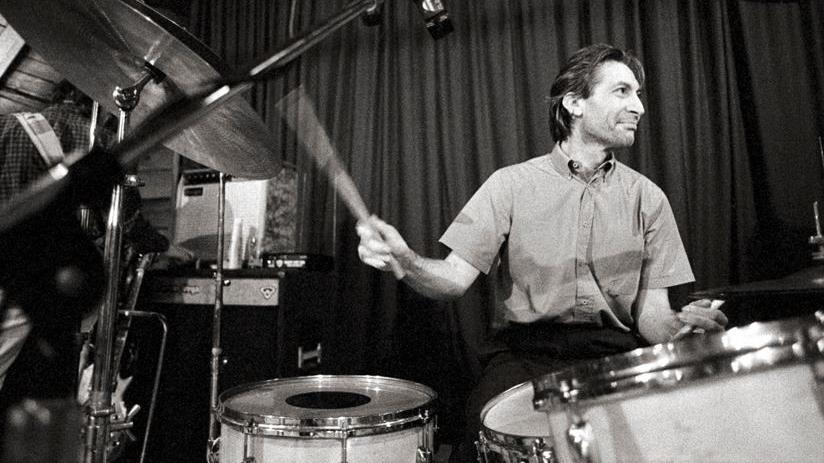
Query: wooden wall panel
x=27, y=81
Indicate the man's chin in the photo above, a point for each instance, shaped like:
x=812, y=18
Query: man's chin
x=623, y=142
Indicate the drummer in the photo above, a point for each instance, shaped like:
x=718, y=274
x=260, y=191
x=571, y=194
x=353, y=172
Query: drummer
x=584, y=246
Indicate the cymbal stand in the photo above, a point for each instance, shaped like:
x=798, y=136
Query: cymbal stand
x=213, y=447
x=100, y=408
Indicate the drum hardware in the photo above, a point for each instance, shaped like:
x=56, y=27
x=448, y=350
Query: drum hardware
x=309, y=355
x=250, y=429
x=579, y=435
x=216, y=352
x=100, y=405
x=122, y=421
x=582, y=438
x=426, y=447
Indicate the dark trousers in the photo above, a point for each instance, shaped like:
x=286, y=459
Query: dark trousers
x=522, y=352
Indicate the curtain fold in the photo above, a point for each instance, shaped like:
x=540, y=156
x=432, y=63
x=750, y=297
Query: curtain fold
x=734, y=102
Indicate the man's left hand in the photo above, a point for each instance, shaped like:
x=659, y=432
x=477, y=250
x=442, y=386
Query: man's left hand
x=702, y=315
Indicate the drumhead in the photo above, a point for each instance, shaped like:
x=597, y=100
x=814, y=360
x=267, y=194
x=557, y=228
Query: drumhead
x=314, y=406
x=511, y=412
x=741, y=350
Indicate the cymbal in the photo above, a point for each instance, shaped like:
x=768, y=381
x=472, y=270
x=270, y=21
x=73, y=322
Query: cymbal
x=99, y=45
x=805, y=282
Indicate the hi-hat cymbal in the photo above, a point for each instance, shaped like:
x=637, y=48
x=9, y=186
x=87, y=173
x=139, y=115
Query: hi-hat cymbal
x=99, y=45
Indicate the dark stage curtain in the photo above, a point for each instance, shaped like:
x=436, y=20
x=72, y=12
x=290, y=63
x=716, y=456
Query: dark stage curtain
x=734, y=102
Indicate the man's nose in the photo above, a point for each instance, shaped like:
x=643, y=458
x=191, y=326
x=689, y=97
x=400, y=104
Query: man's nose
x=637, y=106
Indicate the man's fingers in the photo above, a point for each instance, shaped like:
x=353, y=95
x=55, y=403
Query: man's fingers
x=699, y=310
x=376, y=263
x=702, y=321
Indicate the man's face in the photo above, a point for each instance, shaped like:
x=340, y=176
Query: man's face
x=610, y=115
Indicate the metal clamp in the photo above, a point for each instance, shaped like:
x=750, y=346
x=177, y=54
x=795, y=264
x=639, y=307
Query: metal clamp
x=580, y=435
x=306, y=356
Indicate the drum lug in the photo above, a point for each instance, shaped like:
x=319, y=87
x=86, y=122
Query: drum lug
x=581, y=437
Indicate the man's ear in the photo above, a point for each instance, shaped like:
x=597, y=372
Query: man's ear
x=572, y=103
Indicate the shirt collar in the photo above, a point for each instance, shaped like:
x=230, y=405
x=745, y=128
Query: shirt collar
x=566, y=166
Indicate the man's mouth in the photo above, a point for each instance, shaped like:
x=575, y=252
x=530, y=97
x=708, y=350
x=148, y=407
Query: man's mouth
x=632, y=125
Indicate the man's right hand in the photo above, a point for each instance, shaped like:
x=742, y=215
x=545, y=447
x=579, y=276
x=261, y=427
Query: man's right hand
x=381, y=245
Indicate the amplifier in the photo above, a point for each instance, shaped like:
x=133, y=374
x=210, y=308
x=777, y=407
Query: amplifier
x=238, y=289
x=267, y=209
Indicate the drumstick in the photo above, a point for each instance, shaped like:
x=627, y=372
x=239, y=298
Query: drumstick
x=297, y=110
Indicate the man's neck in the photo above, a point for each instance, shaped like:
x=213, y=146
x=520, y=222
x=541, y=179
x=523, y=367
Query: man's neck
x=589, y=155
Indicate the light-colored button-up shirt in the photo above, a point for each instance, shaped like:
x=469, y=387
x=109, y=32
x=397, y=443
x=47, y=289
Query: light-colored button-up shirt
x=570, y=249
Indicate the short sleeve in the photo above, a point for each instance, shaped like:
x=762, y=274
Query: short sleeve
x=481, y=227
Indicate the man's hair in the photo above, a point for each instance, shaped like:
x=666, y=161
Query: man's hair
x=578, y=77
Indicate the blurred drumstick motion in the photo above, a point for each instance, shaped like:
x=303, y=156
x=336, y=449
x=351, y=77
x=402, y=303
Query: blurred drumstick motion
x=297, y=110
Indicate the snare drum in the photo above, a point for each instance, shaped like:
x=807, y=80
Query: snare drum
x=754, y=393
x=512, y=431
x=359, y=419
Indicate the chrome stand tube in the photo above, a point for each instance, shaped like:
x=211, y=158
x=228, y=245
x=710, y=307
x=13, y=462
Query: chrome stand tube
x=214, y=430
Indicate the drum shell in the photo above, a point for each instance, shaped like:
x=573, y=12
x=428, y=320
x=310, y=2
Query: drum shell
x=397, y=429
x=375, y=448
x=751, y=394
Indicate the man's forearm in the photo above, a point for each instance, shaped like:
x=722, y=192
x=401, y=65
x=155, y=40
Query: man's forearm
x=433, y=278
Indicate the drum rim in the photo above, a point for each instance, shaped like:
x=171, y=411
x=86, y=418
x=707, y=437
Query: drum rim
x=740, y=350
x=329, y=427
x=493, y=438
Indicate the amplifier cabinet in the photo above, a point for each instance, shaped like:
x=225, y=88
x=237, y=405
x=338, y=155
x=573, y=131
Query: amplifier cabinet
x=273, y=323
